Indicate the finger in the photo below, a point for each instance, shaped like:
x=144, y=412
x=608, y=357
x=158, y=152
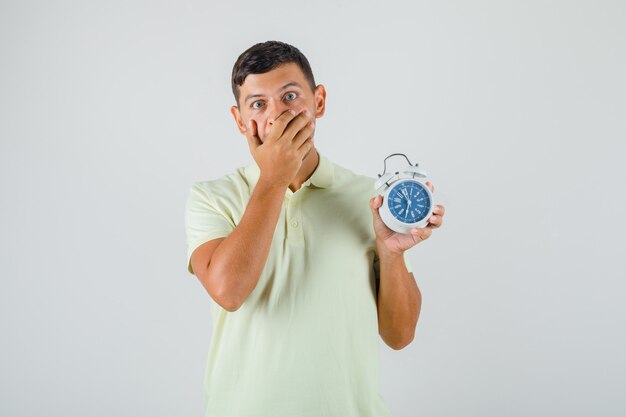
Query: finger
x=439, y=209
x=374, y=205
x=430, y=186
x=376, y=202
x=252, y=135
x=280, y=124
x=420, y=234
x=304, y=134
x=305, y=147
x=296, y=125
x=435, y=221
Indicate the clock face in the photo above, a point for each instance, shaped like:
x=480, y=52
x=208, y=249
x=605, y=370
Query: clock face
x=408, y=201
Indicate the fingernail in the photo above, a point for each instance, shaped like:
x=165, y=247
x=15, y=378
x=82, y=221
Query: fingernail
x=307, y=112
x=312, y=124
x=293, y=112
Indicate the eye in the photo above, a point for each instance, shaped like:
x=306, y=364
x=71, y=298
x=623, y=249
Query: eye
x=289, y=96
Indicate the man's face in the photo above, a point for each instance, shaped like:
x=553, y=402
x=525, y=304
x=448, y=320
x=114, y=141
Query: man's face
x=264, y=97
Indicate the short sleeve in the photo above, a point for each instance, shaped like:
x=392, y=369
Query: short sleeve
x=204, y=220
x=376, y=265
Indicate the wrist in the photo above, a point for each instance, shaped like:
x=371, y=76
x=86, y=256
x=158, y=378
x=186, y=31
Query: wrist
x=383, y=250
x=270, y=186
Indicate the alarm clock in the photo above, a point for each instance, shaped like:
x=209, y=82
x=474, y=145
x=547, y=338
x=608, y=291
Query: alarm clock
x=407, y=200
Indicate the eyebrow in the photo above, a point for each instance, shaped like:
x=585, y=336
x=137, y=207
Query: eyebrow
x=293, y=83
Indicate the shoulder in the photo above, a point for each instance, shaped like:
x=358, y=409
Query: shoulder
x=228, y=187
x=360, y=184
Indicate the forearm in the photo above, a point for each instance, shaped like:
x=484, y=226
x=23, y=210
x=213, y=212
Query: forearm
x=399, y=300
x=240, y=258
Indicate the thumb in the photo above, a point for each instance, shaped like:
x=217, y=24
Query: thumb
x=374, y=205
x=252, y=135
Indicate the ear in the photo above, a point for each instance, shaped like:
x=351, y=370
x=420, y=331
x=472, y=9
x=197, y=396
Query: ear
x=234, y=110
x=320, y=100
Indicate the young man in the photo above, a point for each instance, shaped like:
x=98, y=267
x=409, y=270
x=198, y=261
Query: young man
x=302, y=276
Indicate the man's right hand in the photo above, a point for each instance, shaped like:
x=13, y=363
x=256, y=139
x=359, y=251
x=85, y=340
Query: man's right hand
x=279, y=156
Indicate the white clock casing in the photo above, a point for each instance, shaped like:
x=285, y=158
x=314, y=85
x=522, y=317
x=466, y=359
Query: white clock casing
x=390, y=181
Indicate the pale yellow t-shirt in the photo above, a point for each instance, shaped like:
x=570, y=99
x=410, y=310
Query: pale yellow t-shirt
x=305, y=342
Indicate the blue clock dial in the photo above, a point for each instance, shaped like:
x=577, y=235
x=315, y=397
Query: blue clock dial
x=408, y=202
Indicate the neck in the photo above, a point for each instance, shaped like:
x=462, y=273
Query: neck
x=309, y=165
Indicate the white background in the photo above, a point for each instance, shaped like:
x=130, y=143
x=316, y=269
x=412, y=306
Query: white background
x=110, y=110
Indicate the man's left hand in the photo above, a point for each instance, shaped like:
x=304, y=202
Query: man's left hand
x=399, y=242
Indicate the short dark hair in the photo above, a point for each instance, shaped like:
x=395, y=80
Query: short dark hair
x=264, y=57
